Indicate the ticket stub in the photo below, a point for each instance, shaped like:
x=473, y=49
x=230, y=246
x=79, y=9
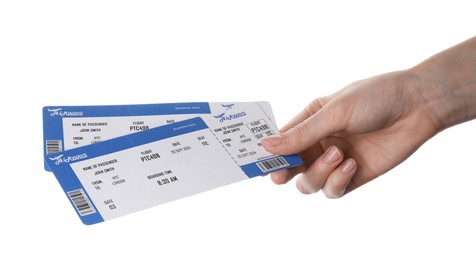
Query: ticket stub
x=68, y=127
x=140, y=170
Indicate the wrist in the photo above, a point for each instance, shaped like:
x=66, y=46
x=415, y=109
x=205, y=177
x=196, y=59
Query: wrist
x=446, y=85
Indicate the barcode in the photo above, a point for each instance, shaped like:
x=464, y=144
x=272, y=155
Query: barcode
x=53, y=146
x=272, y=164
x=81, y=202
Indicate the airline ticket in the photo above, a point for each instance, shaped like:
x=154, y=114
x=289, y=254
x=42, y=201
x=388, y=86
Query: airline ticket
x=133, y=172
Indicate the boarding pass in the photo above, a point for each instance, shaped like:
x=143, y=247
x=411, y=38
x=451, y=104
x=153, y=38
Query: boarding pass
x=68, y=127
x=140, y=170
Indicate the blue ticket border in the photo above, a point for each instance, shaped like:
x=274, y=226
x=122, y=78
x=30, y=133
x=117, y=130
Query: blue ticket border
x=53, y=115
x=69, y=181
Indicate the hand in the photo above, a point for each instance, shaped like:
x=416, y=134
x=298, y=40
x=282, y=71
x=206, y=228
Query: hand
x=354, y=135
x=361, y=132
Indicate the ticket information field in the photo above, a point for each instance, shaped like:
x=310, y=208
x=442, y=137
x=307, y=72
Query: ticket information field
x=137, y=171
x=68, y=127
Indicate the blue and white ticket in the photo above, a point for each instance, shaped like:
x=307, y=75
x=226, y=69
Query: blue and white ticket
x=68, y=127
x=136, y=171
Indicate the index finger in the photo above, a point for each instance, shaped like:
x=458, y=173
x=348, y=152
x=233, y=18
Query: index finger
x=308, y=111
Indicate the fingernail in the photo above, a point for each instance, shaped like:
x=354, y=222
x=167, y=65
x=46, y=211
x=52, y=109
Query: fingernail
x=273, y=140
x=332, y=155
x=348, y=166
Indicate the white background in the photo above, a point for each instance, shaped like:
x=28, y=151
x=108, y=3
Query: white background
x=286, y=52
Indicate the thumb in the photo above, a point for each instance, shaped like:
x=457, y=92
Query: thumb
x=305, y=134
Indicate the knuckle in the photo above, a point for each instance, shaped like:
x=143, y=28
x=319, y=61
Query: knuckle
x=279, y=178
x=302, y=129
x=334, y=187
x=314, y=106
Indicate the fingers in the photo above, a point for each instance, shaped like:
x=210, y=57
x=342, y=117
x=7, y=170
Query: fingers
x=297, y=122
x=310, y=110
x=330, y=173
x=338, y=181
x=305, y=134
x=315, y=176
